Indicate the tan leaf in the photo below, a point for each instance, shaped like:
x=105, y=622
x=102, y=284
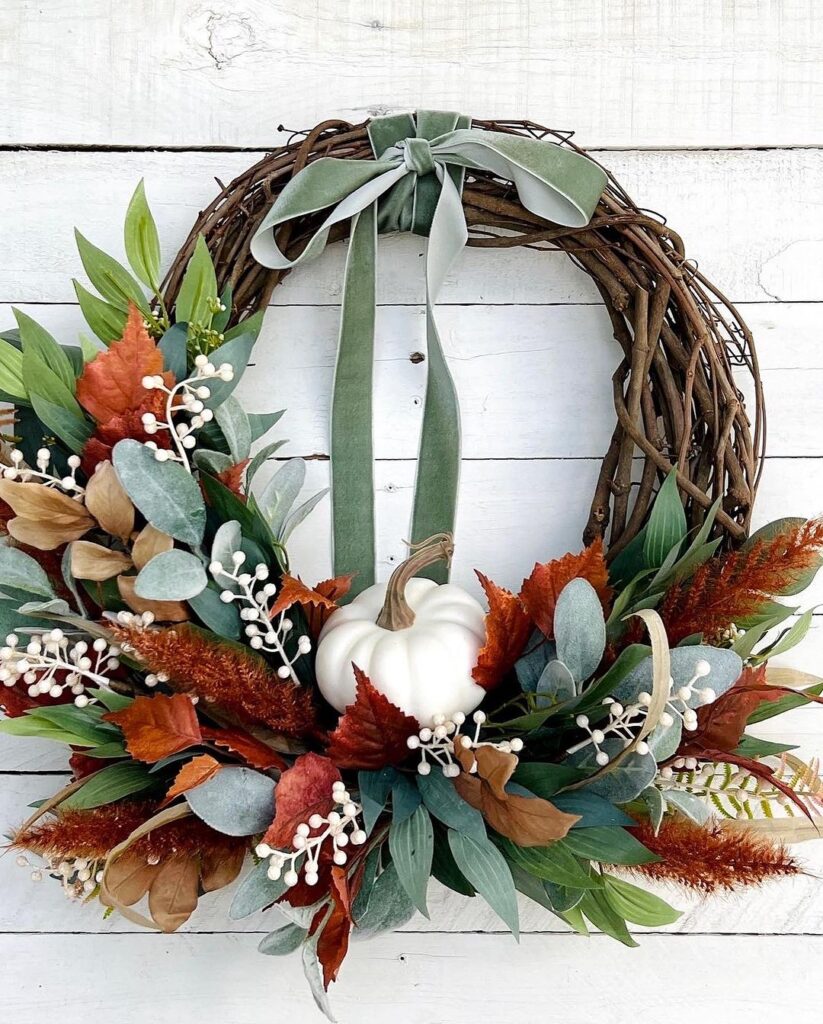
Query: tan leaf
x=38, y=502
x=527, y=821
x=219, y=868
x=108, y=502
x=43, y=535
x=130, y=878
x=193, y=773
x=148, y=543
x=163, y=611
x=94, y=562
x=173, y=893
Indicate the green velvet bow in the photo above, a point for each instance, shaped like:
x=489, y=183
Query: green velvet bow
x=413, y=185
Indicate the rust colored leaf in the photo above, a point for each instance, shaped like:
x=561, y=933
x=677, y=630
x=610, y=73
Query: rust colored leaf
x=99, y=447
x=155, y=727
x=112, y=383
x=507, y=629
x=294, y=591
x=253, y=751
x=527, y=821
x=335, y=590
x=303, y=790
x=232, y=477
x=333, y=943
x=193, y=773
x=173, y=893
x=721, y=724
x=372, y=732
x=540, y=591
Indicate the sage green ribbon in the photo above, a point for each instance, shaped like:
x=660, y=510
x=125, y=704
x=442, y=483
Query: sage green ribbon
x=413, y=185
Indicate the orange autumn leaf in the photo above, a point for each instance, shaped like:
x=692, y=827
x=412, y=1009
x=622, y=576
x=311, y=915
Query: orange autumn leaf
x=253, y=751
x=294, y=591
x=372, y=732
x=232, y=478
x=155, y=727
x=507, y=628
x=193, y=773
x=333, y=942
x=540, y=591
x=112, y=383
x=317, y=603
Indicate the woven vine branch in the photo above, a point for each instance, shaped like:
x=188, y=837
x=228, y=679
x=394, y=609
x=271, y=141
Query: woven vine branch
x=675, y=396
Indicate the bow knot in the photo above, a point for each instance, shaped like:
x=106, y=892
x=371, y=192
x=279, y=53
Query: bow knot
x=418, y=156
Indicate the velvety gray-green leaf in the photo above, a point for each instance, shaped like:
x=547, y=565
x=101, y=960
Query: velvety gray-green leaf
x=171, y=576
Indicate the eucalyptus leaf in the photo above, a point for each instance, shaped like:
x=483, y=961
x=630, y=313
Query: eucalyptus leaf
x=17, y=569
x=579, y=629
x=653, y=799
x=173, y=347
x=625, y=781
x=171, y=576
x=689, y=804
x=314, y=976
x=216, y=615
x=374, y=787
x=725, y=667
x=235, y=801
x=164, y=492
x=529, y=666
x=556, y=683
x=236, y=353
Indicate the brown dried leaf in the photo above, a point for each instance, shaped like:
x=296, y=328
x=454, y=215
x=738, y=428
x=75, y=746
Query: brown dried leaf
x=163, y=611
x=253, y=751
x=173, y=893
x=219, y=868
x=43, y=536
x=94, y=562
x=130, y=878
x=36, y=501
x=108, y=502
x=148, y=543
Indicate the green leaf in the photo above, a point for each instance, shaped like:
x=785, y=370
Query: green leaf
x=745, y=644
x=111, y=279
x=753, y=746
x=73, y=430
x=579, y=629
x=85, y=722
x=251, y=325
x=111, y=784
x=198, y=289
x=111, y=700
x=792, y=637
x=226, y=506
x=405, y=798
x=667, y=523
x=283, y=941
x=444, y=802
x=105, y=320
x=594, y=811
x=389, y=906
x=411, y=843
x=36, y=340
x=216, y=615
x=233, y=421
x=656, y=805
x=236, y=353
x=19, y=570
x=11, y=370
x=259, y=459
x=694, y=807
x=486, y=868
x=553, y=863
x=445, y=869
x=374, y=787
x=173, y=347
x=164, y=492
x=262, y=422
x=171, y=576
x=623, y=783
x=629, y=562
x=597, y=907
x=141, y=241
x=783, y=704
x=221, y=319
x=235, y=801
x=544, y=779
x=40, y=728
x=608, y=846
x=295, y=518
x=256, y=892
x=637, y=905
x=627, y=661
x=280, y=493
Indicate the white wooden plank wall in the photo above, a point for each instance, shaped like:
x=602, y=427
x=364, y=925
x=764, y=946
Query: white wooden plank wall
x=712, y=112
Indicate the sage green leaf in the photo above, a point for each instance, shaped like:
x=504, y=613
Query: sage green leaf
x=445, y=869
x=653, y=799
x=17, y=569
x=11, y=370
x=236, y=353
x=235, y=801
x=693, y=807
x=486, y=868
x=725, y=667
x=579, y=629
x=295, y=518
x=556, y=683
x=280, y=493
x=623, y=783
x=545, y=779
x=444, y=802
x=259, y=459
x=233, y=421
x=198, y=289
x=792, y=637
x=141, y=241
x=220, y=319
x=227, y=539
x=667, y=523
x=171, y=576
x=593, y=810
x=256, y=892
x=553, y=863
x=73, y=430
x=213, y=462
x=746, y=642
x=388, y=908
x=111, y=784
x=405, y=798
x=314, y=976
x=262, y=422
x=111, y=279
x=598, y=908
x=216, y=615
x=608, y=845
x=164, y=492
x=283, y=941
x=637, y=905
x=105, y=320
x=411, y=843
x=374, y=787
x=37, y=340
x=251, y=325
x=173, y=347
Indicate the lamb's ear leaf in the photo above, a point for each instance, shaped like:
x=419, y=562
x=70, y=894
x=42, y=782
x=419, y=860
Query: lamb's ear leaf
x=256, y=892
x=579, y=629
x=173, y=347
x=171, y=576
x=236, y=353
x=283, y=941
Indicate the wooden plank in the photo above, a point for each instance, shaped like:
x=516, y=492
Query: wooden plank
x=209, y=979
x=708, y=197
x=627, y=73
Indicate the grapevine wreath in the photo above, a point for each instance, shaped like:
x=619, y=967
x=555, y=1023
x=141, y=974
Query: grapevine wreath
x=331, y=747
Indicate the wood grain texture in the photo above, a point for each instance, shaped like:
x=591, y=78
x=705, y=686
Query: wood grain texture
x=620, y=72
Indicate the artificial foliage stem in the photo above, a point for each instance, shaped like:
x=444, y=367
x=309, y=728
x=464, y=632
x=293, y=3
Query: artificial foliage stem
x=396, y=613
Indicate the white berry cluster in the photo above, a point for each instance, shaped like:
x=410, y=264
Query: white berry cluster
x=254, y=597
x=18, y=470
x=186, y=398
x=438, y=743
x=624, y=722
x=339, y=826
x=79, y=876
x=51, y=663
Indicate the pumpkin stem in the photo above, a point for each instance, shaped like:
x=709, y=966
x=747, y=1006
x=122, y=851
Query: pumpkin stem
x=396, y=613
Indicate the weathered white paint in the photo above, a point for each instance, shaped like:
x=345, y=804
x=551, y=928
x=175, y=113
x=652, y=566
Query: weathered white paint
x=638, y=76
x=620, y=72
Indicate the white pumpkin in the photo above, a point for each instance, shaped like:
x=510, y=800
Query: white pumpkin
x=417, y=641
